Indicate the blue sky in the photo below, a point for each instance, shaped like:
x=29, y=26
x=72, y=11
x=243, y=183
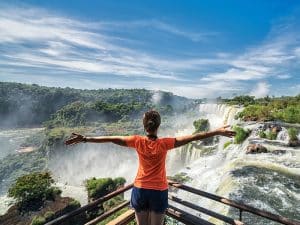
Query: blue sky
x=191, y=48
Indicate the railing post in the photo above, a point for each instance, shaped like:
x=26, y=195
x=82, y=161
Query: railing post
x=241, y=212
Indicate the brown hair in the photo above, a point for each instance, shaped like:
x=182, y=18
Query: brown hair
x=151, y=120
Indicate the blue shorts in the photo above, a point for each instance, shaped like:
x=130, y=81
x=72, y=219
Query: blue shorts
x=149, y=200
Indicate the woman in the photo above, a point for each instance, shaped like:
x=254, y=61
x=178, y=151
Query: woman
x=149, y=195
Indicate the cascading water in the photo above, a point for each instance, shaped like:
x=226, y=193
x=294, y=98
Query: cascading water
x=268, y=181
x=218, y=115
x=283, y=135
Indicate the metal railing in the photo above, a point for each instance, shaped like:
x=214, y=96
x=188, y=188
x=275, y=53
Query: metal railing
x=176, y=213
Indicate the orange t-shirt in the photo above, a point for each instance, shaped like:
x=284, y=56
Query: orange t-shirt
x=152, y=161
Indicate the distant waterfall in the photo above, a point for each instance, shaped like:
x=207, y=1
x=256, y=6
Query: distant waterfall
x=218, y=115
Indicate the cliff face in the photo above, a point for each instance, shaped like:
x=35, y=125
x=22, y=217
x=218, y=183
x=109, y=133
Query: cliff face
x=14, y=216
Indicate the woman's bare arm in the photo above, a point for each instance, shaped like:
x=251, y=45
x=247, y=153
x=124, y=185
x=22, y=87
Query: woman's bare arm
x=180, y=141
x=77, y=138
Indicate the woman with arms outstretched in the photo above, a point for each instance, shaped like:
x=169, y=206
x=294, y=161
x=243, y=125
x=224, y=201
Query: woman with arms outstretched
x=149, y=195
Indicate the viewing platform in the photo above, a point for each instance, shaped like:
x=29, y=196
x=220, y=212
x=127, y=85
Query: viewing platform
x=174, y=212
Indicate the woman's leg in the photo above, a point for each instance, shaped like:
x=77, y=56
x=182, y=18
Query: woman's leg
x=156, y=218
x=142, y=218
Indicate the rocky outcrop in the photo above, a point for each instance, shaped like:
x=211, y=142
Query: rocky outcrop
x=256, y=148
x=60, y=206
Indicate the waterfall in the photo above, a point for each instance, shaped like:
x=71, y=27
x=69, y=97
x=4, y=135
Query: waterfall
x=268, y=181
x=218, y=115
x=283, y=135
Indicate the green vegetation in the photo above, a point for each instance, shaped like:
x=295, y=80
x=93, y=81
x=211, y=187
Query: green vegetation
x=27, y=105
x=49, y=215
x=33, y=189
x=286, y=109
x=271, y=135
x=226, y=144
x=262, y=134
x=97, y=188
x=244, y=100
x=241, y=134
x=293, y=132
x=74, y=204
x=14, y=166
x=256, y=112
x=180, y=177
x=38, y=220
x=201, y=125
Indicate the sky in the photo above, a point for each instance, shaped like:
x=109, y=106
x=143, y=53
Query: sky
x=197, y=49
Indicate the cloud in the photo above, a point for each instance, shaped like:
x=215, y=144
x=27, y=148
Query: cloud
x=261, y=89
x=283, y=76
x=33, y=38
x=274, y=57
x=39, y=45
x=193, y=36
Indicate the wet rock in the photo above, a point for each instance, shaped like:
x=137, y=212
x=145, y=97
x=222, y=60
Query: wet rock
x=256, y=148
x=279, y=152
x=275, y=128
x=294, y=143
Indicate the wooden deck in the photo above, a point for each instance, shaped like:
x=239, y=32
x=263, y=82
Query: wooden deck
x=123, y=219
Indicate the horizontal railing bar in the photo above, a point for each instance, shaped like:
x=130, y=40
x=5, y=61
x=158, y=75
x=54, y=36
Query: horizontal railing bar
x=235, y=204
x=89, y=206
x=185, y=217
x=206, y=211
x=108, y=213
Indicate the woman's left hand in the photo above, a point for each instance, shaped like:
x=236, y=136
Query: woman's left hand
x=224, y=132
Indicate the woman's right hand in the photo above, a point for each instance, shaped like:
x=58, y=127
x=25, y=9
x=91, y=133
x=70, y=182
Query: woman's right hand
x=225, y=132
x=75, y=139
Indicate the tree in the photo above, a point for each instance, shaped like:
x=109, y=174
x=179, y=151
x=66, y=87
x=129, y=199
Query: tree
x=33, y=189
x=201, y=125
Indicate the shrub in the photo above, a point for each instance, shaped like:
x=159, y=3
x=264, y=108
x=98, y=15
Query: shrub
x=49, y=215
x=180, y=177
x=74, y=204
x=271, y=135
x=226, y=144
x=38, y=220
x=33, y=189
x=113, y=202
x=256, y=112
x=293, y=134
x=201, y=125
x=97, y=188
x=241, y=134
x=262, y=134
x=119, y=182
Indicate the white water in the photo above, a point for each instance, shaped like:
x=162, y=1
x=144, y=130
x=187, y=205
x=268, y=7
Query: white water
x=212, y=169
x=12, y=139
x=225, y=171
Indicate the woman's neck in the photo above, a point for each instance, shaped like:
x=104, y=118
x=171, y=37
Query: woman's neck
x=152, y=135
